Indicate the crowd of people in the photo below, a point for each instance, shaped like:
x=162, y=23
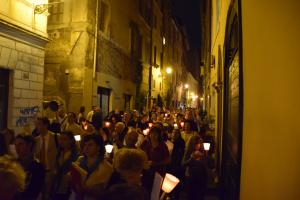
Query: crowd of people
x=87, y=156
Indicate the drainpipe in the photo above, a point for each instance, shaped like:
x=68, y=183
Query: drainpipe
x=150, y=68
x=96, y=40
x=95, y=49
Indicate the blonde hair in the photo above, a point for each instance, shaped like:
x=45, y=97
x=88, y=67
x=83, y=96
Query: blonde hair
x=12, y=173
x=130, y=160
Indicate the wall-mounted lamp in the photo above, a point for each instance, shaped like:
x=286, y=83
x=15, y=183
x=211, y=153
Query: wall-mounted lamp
x=164, y=41
x=169, y=70
x=186, y=86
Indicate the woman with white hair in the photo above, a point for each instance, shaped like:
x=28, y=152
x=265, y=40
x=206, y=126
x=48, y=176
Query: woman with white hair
x=128, y=167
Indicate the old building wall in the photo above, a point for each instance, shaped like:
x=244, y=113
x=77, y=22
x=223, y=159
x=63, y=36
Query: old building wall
x=22, y=40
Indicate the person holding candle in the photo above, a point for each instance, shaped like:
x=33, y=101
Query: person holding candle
x=72, y=125
x=119, y=134
x=195, y=169
x=194, y=144
x=67, y=153
x=97, y=169
x=86, y=126
x=81, y=113
x=187, y=133
x=158, y=155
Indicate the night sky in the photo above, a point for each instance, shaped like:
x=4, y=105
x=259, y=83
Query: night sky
x=188, y=11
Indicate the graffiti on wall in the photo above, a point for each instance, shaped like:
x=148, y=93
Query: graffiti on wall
x=27, y=115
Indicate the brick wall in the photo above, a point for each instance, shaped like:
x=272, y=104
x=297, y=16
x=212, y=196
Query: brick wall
x=26, y=65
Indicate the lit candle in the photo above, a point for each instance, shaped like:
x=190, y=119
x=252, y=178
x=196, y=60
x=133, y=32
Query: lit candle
x=206, y=146
x=85, y=127
x=169, y=183
x=77, y=138
x=175, y=126
x=146, y=131
x=150, y=125
x=107, y=124
x=109, y=148
x=182, y=124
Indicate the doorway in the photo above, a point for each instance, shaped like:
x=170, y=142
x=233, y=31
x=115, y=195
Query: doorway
x=4, y=83
x=127, y=102
x=103, y=100
x=233, y=107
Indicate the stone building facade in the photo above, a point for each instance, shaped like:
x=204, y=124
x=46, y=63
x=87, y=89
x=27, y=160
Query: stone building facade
x=22, y=41
x=101, y=52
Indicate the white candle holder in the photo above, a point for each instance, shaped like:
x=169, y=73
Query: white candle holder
x=77, y=138
x=206, y=146
x=109, y=148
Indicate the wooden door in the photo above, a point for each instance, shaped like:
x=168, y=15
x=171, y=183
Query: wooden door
x=233, y=109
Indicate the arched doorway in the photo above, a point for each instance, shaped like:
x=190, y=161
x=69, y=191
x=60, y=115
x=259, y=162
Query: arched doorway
x=233, y=107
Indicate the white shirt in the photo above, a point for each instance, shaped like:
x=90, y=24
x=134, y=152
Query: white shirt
x=89, y=116
x=46, y=146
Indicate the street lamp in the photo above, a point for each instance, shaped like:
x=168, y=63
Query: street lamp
x=164, y=41
x=186, y=86
x=169, y=70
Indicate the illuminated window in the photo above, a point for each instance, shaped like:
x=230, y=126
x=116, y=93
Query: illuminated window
x=127, y=99
x=145, y=10
x=136, y=41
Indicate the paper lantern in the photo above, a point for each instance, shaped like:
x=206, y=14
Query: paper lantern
x=169, y=183
x=206, y=146
x=77, y=138
x=109, y=148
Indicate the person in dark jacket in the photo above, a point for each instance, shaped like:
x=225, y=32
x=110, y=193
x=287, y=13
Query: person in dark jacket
x=3, y=146
x=66, y=155
x=197, y=176
x=175, y=166
x=97, y=119
x=35, y=171
x=178, y=149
